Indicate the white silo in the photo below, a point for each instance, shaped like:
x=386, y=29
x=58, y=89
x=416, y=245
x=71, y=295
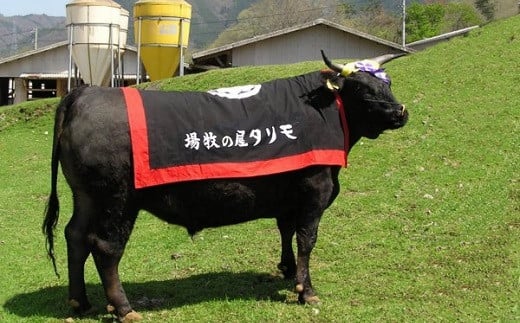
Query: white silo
x=123, y=27
x=123, y=37
x=95, y=38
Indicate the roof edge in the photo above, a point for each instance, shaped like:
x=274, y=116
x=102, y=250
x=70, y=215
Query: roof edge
x=47, y=48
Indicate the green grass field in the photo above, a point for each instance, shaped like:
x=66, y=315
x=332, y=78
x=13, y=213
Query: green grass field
x=426, y=227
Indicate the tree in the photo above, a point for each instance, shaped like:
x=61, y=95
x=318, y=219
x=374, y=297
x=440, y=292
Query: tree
x=432, y=19
x=423, y=21
x=373, y=19
x=460, y=15
x=487, y=8
x=346, y=10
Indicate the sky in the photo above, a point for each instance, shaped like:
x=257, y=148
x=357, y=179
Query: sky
x=27, y=7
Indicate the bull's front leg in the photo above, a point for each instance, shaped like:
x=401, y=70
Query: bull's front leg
x=306, y=236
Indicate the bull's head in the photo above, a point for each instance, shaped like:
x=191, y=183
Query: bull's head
x=365, y=90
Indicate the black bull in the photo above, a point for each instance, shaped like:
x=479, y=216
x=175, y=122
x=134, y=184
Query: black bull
x=91, y=141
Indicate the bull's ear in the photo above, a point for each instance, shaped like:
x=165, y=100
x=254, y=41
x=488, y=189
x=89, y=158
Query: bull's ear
x=331, y=86
x=331, y=80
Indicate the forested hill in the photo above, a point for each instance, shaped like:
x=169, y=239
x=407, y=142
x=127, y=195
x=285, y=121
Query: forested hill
x=209, y=19
x=18, y=33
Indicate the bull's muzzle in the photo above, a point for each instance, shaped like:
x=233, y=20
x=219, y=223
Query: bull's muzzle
x=399, y=117
x=403, y=116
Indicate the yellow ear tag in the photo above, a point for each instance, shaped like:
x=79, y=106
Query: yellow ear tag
x=349, y=69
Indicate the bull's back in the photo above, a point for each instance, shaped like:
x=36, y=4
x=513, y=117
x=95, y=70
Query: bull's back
x=95, y=142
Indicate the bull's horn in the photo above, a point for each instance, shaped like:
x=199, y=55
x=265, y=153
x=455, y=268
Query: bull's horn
x=386, y=58
x=333, y=66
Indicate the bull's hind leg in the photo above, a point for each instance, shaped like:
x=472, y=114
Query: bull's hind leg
x=287, y=264
x=108, y=239
x=78, y=251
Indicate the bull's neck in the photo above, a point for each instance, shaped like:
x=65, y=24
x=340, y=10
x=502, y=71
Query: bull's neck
x=312, y=85
x=350, y=136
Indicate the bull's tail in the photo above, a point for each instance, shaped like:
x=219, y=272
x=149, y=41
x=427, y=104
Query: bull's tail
x=52, y=208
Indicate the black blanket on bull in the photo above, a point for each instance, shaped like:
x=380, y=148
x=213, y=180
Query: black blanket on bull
x=243, y=131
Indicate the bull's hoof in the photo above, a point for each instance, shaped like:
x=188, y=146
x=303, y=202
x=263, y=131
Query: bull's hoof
x=312, y=300
x=111, y=309
x=81, y=309
x=131, y=317
x=74, y=304
x=288, y=272
x=306, y=297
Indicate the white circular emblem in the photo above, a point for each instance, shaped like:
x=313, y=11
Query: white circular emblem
x=237, y=92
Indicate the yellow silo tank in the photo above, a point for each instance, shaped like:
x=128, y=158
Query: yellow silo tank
x=162, y=29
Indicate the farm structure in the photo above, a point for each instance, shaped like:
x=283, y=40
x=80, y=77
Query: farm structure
x=297, y=44
x=43, y=73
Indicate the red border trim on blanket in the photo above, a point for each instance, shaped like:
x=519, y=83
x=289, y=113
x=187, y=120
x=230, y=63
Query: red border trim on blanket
x=144, y=176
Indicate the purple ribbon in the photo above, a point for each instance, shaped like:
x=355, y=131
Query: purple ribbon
x=375, y=70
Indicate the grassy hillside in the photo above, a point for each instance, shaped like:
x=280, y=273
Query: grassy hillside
x=426, y=227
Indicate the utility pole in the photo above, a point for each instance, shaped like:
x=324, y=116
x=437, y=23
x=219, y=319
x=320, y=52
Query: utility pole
x=404, y=23
x=35, y=31
x=15, y=45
